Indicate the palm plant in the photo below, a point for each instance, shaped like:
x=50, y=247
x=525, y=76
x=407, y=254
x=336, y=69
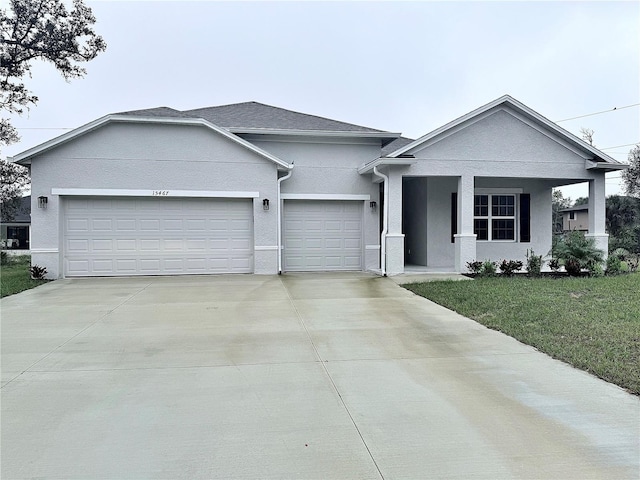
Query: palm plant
x=578, y=252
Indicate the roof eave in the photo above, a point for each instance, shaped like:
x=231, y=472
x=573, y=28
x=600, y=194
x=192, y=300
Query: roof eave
x=605, y=166
x=366, y=168
x=316, y=133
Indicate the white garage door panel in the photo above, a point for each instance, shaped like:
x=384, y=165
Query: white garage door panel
x=155, y=236
x=322, y=235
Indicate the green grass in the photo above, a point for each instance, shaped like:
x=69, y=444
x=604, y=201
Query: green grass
x=15, y=276
x=591, y=323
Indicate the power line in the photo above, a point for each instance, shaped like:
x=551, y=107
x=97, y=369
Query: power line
x=598, y=113
x=617, y=146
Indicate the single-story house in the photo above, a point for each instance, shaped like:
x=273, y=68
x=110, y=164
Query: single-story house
x=250, y=187
x=575, y=218
x=15, y=231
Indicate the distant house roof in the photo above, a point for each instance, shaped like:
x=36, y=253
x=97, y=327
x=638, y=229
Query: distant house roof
x=23, y=213
x=577, y=208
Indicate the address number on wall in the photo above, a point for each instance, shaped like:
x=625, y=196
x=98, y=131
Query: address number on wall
x=160, y=193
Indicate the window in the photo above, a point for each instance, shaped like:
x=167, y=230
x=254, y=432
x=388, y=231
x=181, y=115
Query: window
x=572, y=215
x=494, y=217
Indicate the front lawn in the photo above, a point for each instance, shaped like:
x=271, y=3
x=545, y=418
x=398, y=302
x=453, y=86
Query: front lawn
x=15, y=276
x=591, y=323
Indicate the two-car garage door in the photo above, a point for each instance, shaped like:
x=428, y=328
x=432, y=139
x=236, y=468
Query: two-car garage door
x=117, y=236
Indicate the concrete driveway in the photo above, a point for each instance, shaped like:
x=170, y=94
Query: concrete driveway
x=321, y=376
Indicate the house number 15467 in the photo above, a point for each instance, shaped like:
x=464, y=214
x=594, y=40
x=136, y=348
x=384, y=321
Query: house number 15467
x=160, y=193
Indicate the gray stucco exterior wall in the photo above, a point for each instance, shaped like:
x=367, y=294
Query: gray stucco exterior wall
x=502, y=150
x=150, y=157
x=331, y=168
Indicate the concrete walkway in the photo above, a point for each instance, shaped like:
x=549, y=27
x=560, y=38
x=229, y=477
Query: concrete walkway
x=323, y=376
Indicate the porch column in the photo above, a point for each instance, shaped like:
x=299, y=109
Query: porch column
x=395, y=237
x=465, y=239
x=597, y=214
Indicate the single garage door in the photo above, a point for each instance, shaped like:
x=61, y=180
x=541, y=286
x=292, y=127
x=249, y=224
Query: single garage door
x=120, y=236
x=322, y=235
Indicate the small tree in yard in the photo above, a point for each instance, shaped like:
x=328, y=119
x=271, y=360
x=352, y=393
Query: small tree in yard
x=631, y=176
x=558, y=203
x=41, y=30
x=13, y=181
x=579, y=252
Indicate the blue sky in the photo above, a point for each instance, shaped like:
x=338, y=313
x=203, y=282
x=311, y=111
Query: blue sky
x=402, y=66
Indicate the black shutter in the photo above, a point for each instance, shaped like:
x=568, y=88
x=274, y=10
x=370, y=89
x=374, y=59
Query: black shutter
x=525, y=217
x=454, y=215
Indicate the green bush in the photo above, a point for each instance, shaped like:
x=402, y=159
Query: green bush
x=554, y=264
x=614, y=265
x=474, y=267
x=534, y=263
x=579, y=252
x=633, y=261
x=38, y=272
x=4, y=258
x=509, y=267
x=488, y=269
x=627, y=237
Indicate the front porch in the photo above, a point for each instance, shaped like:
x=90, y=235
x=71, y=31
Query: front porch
x=448, y=221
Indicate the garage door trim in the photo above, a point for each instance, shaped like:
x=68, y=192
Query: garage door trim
x=324, y=196
x=116, y=192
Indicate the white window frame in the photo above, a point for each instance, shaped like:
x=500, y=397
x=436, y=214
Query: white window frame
x=490, y=217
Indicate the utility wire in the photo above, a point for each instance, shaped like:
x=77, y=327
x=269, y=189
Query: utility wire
x=598, y=113
x=617, y=146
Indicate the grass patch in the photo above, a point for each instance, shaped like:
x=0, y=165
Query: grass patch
x=591, y=323
x=15, y=276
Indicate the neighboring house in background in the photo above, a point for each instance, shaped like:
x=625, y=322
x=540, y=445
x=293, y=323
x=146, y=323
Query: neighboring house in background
x=575, y=218
x=15, y=234
x=253, y=188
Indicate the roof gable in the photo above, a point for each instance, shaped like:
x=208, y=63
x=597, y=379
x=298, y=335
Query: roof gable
x=517, y=109
x=25, y=157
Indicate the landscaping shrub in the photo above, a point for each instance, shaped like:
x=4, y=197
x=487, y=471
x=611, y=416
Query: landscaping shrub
x=534, y=263
x=578, y=252
x=488, y=269
x=38, y=272
x=509, y=267
x=621, y=253
x=4, y=258
x=614, y=265
x=474, y=267
x=554, y=264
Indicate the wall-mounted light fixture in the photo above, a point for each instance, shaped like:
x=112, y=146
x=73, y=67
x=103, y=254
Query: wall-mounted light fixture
x=265, y=204
x=373, y=205
x=42, y=202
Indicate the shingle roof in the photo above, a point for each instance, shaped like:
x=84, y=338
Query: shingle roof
x=156, y=112
x=395, y=145
x=252, y=115
x=259, y=115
